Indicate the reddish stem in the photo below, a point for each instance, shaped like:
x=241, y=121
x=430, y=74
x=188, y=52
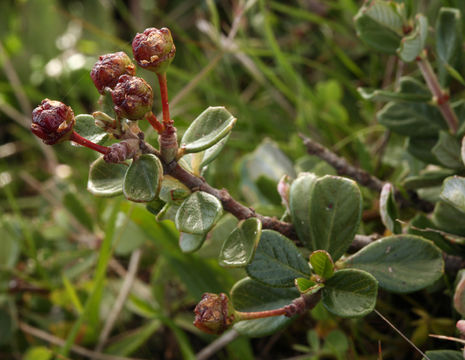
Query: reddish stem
x=158, y=126
x=164, y=98
x=260, y=314
x=84, y=142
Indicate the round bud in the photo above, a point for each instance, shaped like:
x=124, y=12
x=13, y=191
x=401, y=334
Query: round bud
x=133, y=97
x=214, y=313
x=109, y=68
x=154, y=49
x=52, y=121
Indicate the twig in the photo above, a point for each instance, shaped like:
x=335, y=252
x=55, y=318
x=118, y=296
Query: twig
x=361, y=176
x=217, y=345
x=441, y=97
x=28, y=329
x=122, y=296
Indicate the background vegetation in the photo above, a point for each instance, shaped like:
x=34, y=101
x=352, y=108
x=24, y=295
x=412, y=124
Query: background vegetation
x=286, y=67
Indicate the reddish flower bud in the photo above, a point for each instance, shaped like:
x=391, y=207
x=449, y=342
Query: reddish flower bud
x=154, y=49
x=133, y=97
x=52, y=121
x=109, y=68
x=214, y=313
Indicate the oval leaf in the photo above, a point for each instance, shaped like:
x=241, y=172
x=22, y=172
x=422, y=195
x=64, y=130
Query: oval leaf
x=459, y=293
x=402, y=263
x=322, y=264
x=453, y=192
x=207, y=129
x=277, y=261
x=413, y=44
x=299, y=204
x=350, y=293
x=249, y=295
x=447, y=151
x=191, y=242
x=106, y=179
x=198, y=213
x=335, y=213
x=143, y=179
x=85, y=126
x=239, y=248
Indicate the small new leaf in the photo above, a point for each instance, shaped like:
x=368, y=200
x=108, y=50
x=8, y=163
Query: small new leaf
x=322, y=264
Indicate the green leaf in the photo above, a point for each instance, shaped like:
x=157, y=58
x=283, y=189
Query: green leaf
x=143, y=179
x=239, y=248
x=191, y=242
x=106, y=179
x=447, y=151
x=421, y=148
x=299, y=204
x=411, y=119
x=402, y=263
x=388, y=209
x=414, y=43
x=249, y=295
x=453, y=192
x=304, y=284
x=336, y=341
x=459, y=293
x=85, y=126
x=350, y=293
x=168, y=212
x=207, y=129
x=9, y=248
x=197, y=161
x=322, y=264
x=427, y=178
x=277, y=261
x=38, y=353
x=385, y=95
x=335, y=214
x=446, y=217
x=198, y=213
x=135, y=339
x=379, y=25
x=6, y=327
x=444, y=355
x=172, y=190
x=448, y=40
x=128, y=235
x=462, y=152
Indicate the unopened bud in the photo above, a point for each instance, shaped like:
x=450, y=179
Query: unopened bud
x=214, y=314
x=133, y=97
x=154, y=49
x=52, y=121
x=109, y=68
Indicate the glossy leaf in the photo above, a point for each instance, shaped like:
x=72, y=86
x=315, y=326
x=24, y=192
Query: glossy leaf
x=239, y=248
x=106, y=179
x=197, y=161
x=448, y=40
x=388, y=209
x=350, y=293
x=299, y=204
x=379, y=25
x=453, y=192
x=198, y=213
x=304, y=284
x=143, y=179
x=277, y=261
x=447, y=151
x=413, y=44
x=168, y=212
x=191, y=242
x=172, y=190
x=85, y=126
x=322, y=264
x=402, y=263
x=207, y=129
x=335, y=214
x=249, y=295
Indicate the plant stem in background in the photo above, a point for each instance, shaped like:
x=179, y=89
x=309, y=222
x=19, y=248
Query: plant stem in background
x=441, y=96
